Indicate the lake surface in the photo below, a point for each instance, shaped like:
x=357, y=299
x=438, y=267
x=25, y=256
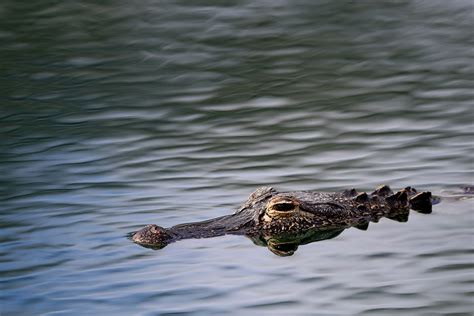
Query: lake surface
x=116, y=114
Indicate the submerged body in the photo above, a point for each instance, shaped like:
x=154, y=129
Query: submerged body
x=303, y=215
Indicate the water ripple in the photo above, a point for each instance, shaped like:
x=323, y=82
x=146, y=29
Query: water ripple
x=117, y=115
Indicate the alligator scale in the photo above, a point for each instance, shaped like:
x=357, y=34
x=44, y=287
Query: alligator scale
x=283, y=220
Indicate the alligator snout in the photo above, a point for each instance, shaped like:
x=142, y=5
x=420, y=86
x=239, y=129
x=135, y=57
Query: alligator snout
x=152, y=235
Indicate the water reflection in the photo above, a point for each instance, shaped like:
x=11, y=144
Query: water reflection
x=117, y=113
x=286, y=244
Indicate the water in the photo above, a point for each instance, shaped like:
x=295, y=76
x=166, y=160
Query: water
x=118, y=114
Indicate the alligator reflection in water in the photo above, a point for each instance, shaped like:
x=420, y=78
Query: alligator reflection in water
x=284, y=220
x=286, y=244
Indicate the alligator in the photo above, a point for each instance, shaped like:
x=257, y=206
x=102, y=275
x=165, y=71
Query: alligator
x=283, y=220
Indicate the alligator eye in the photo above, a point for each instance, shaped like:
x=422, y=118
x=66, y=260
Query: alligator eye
x=279, y=207
x=283, y=207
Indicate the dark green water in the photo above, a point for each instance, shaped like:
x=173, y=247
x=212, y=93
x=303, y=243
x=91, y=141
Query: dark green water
x=115, y=114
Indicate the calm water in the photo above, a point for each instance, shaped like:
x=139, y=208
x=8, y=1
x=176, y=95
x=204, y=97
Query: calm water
x=115, y=114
